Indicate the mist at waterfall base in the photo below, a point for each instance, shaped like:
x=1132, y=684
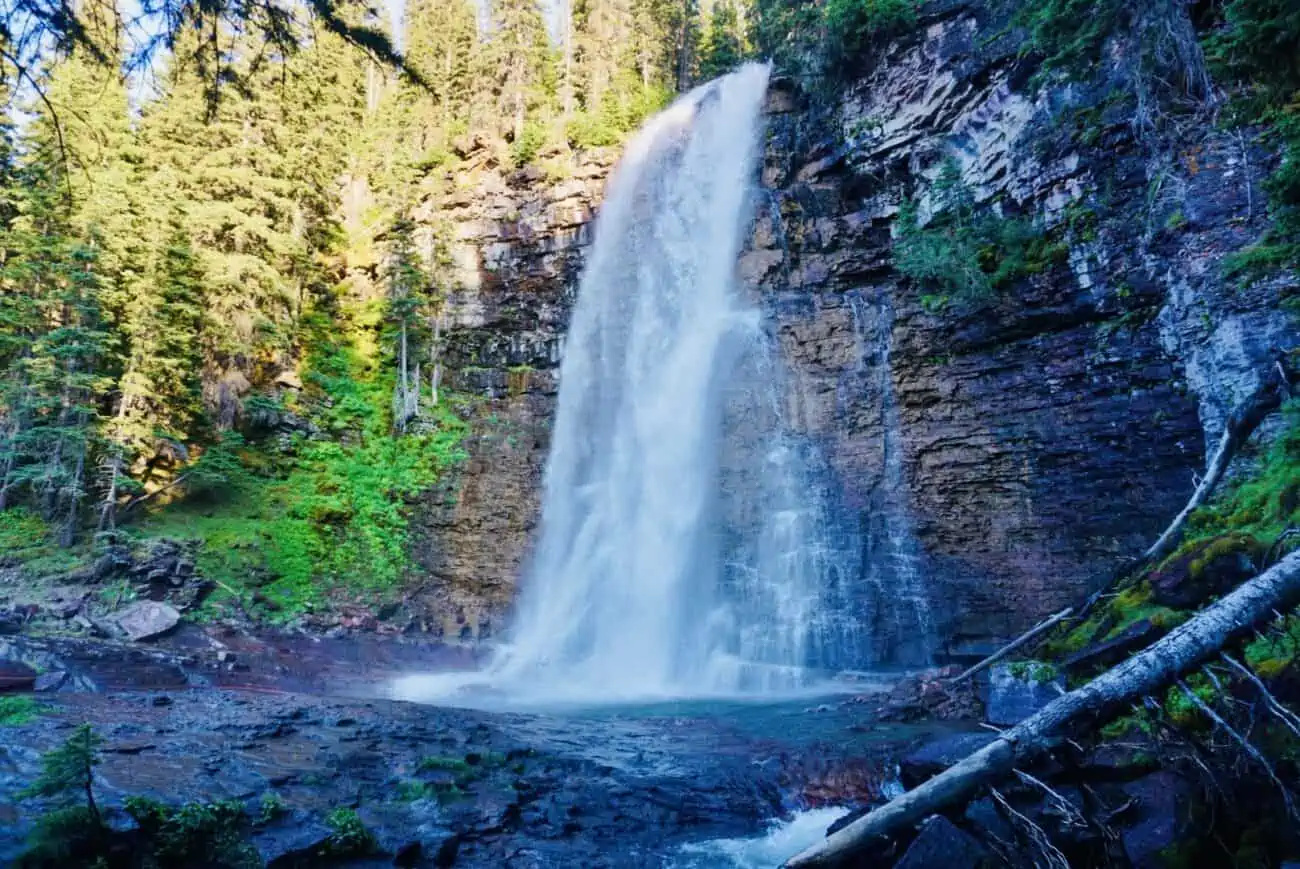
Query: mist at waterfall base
x=685, y=549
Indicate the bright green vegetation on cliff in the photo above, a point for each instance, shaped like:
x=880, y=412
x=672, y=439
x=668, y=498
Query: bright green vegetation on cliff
x=1248, y=520
x=966, y=252
x=17, y=709
x=1249, y=48
x=1267, y=501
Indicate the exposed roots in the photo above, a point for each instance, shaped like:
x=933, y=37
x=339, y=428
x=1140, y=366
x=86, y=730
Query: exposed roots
x=1052, y=858
x=1242, y=742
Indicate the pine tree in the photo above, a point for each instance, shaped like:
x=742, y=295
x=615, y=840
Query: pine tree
x=53, y=387
x=522, y=64
x=721, y=49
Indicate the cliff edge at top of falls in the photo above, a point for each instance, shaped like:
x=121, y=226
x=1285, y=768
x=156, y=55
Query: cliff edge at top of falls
x=1009, y=452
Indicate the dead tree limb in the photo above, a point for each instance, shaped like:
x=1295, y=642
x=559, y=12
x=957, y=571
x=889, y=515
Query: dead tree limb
x=1275, y=388
x=1036, y=631
x=1181, y=650
x=1237, y=429
x=1288, y=718
x=1247, y=747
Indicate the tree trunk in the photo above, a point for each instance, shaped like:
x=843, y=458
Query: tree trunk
x=435, y=366
x=108, y=510
x=1183, y=649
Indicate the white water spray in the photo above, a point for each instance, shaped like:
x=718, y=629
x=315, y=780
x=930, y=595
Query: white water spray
x=681, y=551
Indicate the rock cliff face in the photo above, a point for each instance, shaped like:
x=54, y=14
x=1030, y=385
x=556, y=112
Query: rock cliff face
x=1005, y=457
x=517, y=240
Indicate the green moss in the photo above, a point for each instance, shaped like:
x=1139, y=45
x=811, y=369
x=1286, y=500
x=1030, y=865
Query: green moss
x=29, y=540
x=1228, y=544
x=18, y=709
x=1180, y=708
x=1138, y=722
x=1264, y=503
x=1034, y=671
x=1271, y=653
x=434, y=763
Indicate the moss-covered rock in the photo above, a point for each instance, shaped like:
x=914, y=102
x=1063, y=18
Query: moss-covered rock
x=1205, y=568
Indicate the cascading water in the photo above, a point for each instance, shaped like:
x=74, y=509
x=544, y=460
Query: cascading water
x=680, y=552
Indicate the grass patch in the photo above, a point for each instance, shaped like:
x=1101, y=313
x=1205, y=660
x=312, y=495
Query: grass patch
x=29, y=540
x=349, y=836
x=435, y=763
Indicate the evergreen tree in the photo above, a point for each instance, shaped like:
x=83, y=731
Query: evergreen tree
x=522, y=64
x=53, y=383
x=722, y=48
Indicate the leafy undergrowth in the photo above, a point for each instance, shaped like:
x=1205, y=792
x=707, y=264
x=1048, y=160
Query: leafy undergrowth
x=318, y=517
x=336, y=522
x=27, y=539
x=18, y=709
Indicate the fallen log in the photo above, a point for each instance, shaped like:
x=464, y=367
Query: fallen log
x=1036, y=631
x=1181, y=650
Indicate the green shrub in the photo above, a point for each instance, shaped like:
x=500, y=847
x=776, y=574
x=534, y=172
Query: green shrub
x=1034, y=671
x=525, y=147
x=612, y=122
x=270, y=807
x=433, y=763
x=17, y=709
x=349, y=836
x=194, y=834
x=1069, y=35
x=851, y=25
x=965, y=251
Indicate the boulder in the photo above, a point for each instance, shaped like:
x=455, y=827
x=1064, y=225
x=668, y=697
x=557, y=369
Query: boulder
x=1205, y=569
x=1161, y=817
x=985, y=818
x=941, y=845
x=146, y=619
x=1017, y=691
x=51, y=681
x=938, y=754
x=290, y=840
x=16, y=676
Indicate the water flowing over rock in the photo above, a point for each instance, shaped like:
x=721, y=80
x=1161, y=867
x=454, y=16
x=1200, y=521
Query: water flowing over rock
x=684, y=548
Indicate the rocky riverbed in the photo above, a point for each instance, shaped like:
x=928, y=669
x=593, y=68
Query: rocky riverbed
x=297, y=724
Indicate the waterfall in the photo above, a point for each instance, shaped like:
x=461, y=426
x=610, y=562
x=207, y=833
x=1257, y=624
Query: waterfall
x=684, y=549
